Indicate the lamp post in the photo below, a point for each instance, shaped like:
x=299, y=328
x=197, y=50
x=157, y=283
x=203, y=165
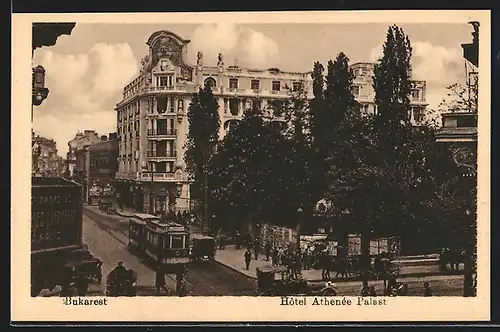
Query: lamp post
x=205, y=214
x=176, y=194
x=149, y=171
x=469, y=266
x=299, y=225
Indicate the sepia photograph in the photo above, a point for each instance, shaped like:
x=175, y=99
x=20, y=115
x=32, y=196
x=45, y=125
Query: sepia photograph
x=301, y=163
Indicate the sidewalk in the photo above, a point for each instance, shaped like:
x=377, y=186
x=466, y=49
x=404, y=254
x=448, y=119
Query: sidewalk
x=233, y=259
x=120, y=216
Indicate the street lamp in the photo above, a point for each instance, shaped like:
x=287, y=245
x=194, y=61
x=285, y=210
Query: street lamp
x=145, y=170
x=469, y=267
x=299, y=225
x=175, y=194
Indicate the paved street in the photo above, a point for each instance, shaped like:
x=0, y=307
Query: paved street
x=106, y=238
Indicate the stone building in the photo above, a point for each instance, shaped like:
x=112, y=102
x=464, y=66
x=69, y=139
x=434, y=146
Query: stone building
x=96, y=166
x=152, y=123
x=80, y=141
x=46, y=162
x=363, y=91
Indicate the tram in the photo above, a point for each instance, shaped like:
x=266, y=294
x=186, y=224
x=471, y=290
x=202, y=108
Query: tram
x=164, y=242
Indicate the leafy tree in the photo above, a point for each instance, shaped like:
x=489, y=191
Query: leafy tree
x=240, y=168
x=203, y=136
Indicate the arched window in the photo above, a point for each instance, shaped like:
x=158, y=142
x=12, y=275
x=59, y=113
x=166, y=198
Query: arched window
x=234, y=106
x=210, y=82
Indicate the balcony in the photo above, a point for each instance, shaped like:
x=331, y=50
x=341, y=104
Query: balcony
x=166, y=133
x=160, y=177
x=168, y=113
x=420, y=101
x=156, y=89
x=263, y=93
x=161, y=155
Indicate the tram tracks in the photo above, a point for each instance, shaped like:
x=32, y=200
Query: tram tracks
x=96, y=218
x=208, y=279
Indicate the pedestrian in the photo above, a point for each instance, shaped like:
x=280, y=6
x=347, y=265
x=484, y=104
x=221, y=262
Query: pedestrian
x=328, y=267
x=160, y=280
x=372, y=291
x=81, y=282
x=427, y=289
x=322, y=264
x=131, y=279
x=248, y=258
x=268, y=250
x=118, y=279
x=222, y=243
x=365, y=290
x=274, y=257
x=180, y=283
x=257, y=249
x=342, y=267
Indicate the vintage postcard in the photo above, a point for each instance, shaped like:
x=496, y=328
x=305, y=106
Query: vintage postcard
x=245, y=167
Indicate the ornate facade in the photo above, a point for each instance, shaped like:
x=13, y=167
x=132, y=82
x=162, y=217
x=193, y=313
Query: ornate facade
x=364, y=93
x=46, y=162
x=152, y=123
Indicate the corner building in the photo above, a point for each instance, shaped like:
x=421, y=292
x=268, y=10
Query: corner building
x=152, y=123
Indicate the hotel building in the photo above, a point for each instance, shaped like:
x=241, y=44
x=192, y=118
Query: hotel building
x=152, y=123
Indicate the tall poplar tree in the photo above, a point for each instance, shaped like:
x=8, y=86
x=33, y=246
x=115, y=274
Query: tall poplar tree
x=203, y=136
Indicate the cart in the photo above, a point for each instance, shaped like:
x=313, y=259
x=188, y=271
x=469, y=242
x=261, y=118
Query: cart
x=275, y=281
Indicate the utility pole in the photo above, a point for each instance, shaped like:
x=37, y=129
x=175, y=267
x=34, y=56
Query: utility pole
x=206, y=197
x=299, y=226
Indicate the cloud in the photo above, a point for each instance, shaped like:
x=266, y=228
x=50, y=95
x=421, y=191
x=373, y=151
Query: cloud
x=84, y=89
x=250, y=47
x=437, y=65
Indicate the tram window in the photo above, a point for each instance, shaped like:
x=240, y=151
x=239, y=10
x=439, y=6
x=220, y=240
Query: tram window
x=177, y=242
x=166, y=242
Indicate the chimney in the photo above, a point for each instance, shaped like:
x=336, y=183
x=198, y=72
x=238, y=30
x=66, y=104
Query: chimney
x=104, y=138
x=113, y=136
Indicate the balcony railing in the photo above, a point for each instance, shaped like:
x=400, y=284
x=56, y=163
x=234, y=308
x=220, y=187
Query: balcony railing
x=179, y=87
x=161, y=176
x=163, y=132
x=158, y=154
x=168, y=112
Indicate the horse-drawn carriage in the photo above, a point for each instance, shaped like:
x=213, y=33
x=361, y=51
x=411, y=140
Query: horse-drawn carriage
x=121, y=283
x=106, y=206
x=381, y=267
x=275, y=281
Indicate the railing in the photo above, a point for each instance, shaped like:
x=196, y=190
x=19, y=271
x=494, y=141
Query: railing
x=158, y=176
x=160, y=88
x=168, y=112
x=166, y=132
x=255, y=92
x=180, y=87
x=418, y=100
x=157, y=154
x=162, y=176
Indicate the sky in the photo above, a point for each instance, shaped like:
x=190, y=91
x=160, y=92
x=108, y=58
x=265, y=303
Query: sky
x=87, y=70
